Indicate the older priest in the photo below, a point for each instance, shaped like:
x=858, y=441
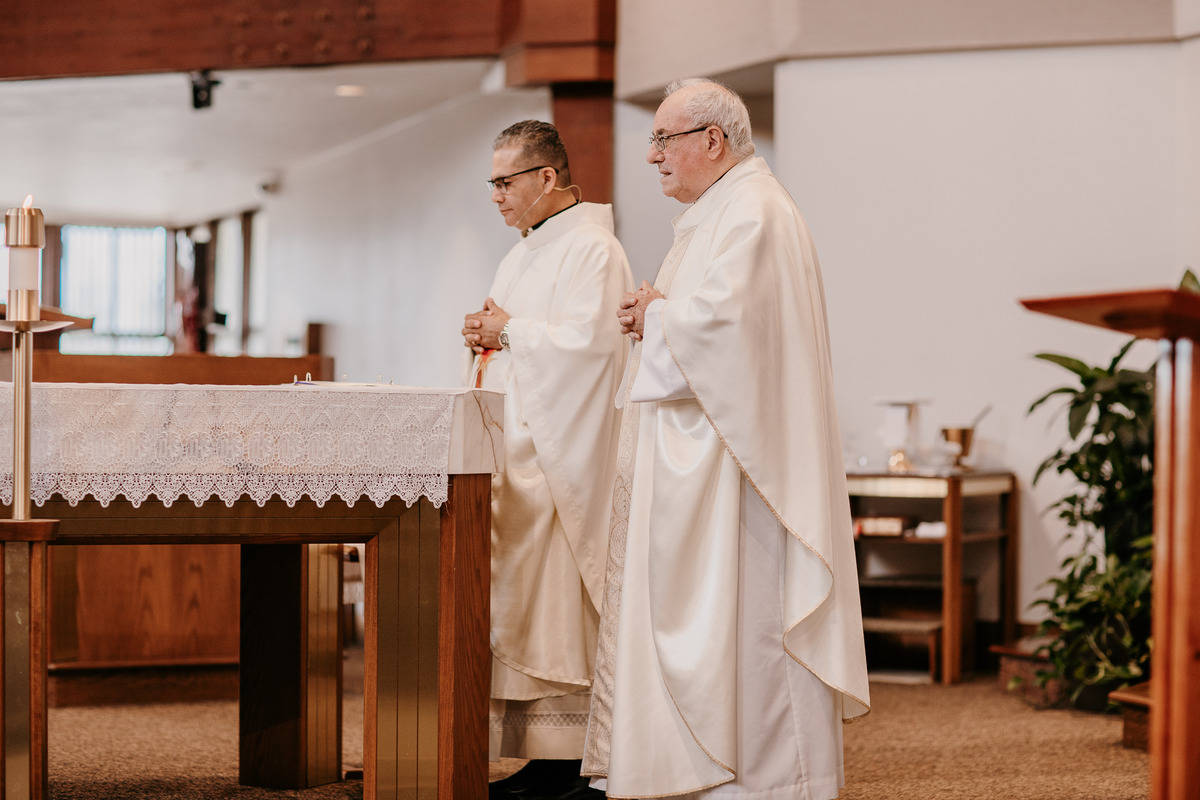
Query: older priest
x=545, y=337
x=731, y=647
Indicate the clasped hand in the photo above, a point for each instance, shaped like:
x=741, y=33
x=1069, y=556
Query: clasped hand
x=481, y=330
x=632, y=314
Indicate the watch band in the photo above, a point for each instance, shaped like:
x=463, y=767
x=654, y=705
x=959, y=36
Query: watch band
x=504, y=341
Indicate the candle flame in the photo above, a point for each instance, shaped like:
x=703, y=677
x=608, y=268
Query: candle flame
x=28, y=201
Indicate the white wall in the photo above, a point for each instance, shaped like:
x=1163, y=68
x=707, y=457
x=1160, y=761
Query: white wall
x=1188, y=182
x=390, y=240
x=941, y=188
x=642, y=214
x=726, y=37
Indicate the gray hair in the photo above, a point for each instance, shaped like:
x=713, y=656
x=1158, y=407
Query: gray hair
x=717, y=104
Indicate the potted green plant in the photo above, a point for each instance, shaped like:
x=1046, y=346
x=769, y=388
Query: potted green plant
x=1097, y=626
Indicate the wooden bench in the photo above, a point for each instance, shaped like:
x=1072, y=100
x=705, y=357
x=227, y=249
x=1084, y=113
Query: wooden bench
x=1135, y=715
x=1020, y=663
x=929, y=628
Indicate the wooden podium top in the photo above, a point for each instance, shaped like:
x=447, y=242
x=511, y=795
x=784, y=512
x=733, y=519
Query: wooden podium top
x=53, y=367
x=1145, y=313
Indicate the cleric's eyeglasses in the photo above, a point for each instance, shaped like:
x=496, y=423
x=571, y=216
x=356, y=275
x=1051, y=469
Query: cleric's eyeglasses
x=504, y=182
x=660, y=140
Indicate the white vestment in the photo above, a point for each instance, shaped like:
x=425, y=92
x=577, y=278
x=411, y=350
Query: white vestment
x=731, y=646
x=550, y=506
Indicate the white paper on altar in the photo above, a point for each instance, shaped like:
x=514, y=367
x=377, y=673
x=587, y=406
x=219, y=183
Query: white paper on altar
x=172, y=441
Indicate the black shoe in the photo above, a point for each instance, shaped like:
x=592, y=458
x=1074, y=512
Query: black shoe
x=581, y=791
x=540, y=779
x=572, y=788
x=497, y=792
x=515, y=784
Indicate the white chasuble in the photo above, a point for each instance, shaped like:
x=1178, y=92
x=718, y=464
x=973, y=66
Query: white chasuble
x=550, y=506
x=731, y=646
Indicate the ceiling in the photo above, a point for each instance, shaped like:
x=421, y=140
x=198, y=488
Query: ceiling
x=131, y=149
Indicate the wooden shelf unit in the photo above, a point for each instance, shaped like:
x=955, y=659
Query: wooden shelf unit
x=951, y=489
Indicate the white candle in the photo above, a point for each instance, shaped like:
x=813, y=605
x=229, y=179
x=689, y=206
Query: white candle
x=24, y=233
x=24, y=267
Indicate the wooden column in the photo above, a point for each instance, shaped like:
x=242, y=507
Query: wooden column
x=570, y=48
x=583, y=114
x=1164, y=535
x=1175, y=671
x=1173, y=317
x=23, y=668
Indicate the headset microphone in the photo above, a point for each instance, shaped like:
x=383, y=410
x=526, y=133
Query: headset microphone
x=572, y=189
x=525, y=231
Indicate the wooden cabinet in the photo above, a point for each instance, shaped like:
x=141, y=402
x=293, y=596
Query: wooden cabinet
x=977, y=509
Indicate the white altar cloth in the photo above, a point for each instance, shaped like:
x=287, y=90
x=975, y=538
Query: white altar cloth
x=174, y=441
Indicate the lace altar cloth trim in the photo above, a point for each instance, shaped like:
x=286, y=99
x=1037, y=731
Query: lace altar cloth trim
x=106, y=440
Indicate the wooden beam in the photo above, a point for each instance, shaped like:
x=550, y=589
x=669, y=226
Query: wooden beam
x=547, y=42
x=50, y=366
x=539, y=65
x=556, y=22
x=113, y=37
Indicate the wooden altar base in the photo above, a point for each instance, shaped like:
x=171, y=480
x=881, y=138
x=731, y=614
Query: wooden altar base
x=426, y=650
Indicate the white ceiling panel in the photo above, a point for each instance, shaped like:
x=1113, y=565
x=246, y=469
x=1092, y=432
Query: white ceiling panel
x=131, y=149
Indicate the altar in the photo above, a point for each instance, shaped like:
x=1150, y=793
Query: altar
x=289, y=473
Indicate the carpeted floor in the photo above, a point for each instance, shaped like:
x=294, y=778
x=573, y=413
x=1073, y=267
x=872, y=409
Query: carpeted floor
x=973, y=741
x=918, y=743
x=172, y=752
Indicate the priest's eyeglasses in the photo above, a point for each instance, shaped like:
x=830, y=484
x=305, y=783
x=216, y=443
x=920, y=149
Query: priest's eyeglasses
x=660, y=140
x=504, y=182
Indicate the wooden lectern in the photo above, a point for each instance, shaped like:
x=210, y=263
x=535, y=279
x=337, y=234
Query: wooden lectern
x=1172, y=317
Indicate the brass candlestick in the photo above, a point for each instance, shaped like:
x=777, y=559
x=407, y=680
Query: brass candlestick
x=22, y=754
x=25, y=236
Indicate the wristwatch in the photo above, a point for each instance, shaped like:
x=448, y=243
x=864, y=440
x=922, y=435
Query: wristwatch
x=504, y=335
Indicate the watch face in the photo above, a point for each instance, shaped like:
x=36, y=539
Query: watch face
x=504, y=339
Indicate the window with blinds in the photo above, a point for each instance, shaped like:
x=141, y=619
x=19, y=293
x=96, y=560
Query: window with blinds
x=117, y=276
